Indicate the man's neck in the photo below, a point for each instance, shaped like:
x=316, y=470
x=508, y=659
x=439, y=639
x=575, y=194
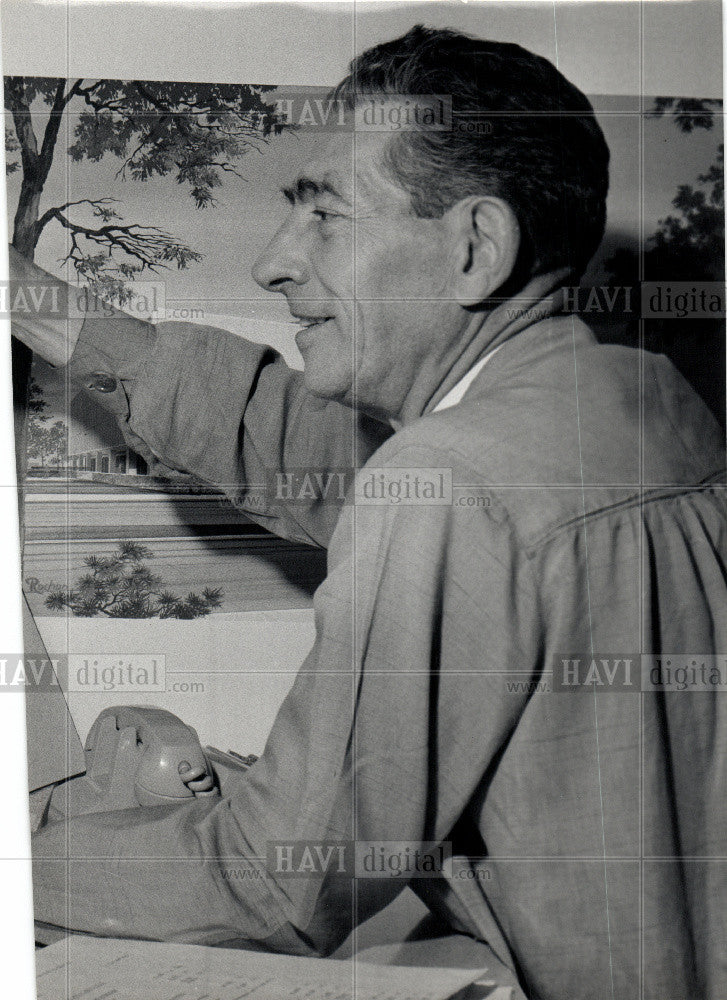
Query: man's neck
x=540, y=298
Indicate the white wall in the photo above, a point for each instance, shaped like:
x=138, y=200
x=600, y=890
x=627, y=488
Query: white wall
x=245, y=662
x=597, y=45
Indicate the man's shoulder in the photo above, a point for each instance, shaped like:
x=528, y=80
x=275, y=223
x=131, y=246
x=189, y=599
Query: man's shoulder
x=568, y=432
x=582, y=412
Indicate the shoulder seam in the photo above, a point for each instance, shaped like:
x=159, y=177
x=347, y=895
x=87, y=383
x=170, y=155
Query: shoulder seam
x=653, y=496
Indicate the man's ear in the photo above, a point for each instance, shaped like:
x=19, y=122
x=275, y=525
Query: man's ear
x=487, y=240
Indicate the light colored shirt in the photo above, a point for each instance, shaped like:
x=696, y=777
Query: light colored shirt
x=47, y=314
x=587, y=519
x=456, y=393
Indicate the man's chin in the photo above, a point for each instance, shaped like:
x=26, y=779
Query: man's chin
x=324, y=385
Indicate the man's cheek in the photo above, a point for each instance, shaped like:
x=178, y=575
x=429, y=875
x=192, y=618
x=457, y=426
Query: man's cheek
x=358, y=325
x=396, y=274
x=335, y=269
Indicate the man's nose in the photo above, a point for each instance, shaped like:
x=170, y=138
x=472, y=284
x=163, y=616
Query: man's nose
x=281, y=261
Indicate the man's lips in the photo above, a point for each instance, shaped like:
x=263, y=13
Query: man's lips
x=310, y=319
x=309, y=325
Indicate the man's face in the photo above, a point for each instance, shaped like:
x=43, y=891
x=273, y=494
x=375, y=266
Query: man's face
x=366, y=277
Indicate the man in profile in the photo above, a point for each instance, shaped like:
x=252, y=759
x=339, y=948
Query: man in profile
x=574, y=516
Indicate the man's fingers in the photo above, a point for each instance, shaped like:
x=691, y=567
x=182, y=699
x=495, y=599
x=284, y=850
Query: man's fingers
x=198, y=779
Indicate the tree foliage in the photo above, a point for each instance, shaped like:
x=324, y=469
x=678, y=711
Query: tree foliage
x=122, y=586
x=48, y=442
x=45, y=442
x=195, y=133
x=36, y=401
x=688, y=246
x=688, y=112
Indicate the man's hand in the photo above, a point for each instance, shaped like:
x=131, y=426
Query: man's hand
x=40, y=311
x=229, y=768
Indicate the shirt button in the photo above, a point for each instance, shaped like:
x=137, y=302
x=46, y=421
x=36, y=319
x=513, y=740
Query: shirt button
x=102, y=382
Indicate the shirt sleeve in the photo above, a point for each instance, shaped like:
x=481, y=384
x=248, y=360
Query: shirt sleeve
x=45, y=313
x=373, y=747
x=205, y=401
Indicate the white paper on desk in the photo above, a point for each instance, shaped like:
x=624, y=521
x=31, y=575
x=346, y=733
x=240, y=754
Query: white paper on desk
x=114, y=969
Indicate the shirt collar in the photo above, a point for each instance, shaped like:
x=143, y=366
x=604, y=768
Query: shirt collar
x=457, y=391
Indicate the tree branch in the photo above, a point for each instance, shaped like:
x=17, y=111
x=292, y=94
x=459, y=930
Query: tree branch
x=151, y=246
x=135, y=241
x=51, y=213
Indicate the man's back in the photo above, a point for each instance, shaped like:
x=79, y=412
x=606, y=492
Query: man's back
x=601, y=819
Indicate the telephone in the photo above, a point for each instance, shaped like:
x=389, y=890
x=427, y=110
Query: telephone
x=139, y=757
x=145, y=757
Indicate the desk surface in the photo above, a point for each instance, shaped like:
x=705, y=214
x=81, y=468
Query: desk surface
x=402, y=934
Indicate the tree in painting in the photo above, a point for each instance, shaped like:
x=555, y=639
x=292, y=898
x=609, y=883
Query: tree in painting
x=193, y=133
x=688, y=246
x=122, y=586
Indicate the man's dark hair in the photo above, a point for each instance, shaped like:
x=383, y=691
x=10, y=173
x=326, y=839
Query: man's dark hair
x=543, y=151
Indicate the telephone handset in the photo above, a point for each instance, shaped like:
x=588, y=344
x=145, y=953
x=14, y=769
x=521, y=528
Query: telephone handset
x=141, y=757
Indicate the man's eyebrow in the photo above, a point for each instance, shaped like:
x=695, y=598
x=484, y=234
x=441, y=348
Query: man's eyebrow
x=305, y=188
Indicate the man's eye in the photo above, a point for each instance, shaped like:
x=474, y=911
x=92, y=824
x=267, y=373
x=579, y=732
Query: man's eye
x=323, y=215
